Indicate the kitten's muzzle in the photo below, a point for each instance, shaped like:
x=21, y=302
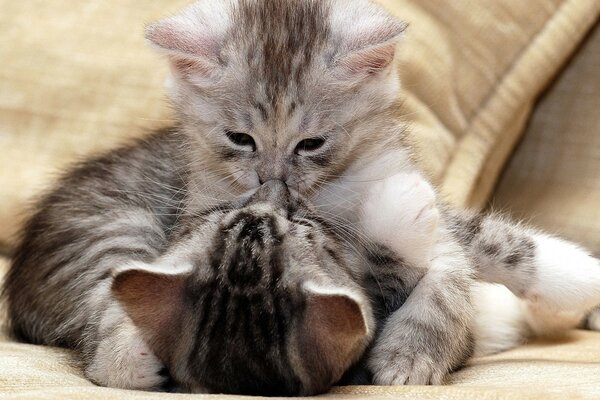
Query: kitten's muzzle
x=274, y=192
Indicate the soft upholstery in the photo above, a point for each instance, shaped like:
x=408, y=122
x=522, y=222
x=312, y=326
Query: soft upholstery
x=76, y=78
x=472, y=72
x=553, y=179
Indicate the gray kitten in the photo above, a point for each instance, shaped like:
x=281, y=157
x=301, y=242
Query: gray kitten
x=300, y=91
x=285, y=301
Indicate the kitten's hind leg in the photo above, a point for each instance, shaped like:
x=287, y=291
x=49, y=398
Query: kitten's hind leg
x=499, y=322
x=553, y=275
x=566, y=277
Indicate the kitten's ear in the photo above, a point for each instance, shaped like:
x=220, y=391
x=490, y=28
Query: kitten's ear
x=191, y=39
x=152, y=299
x=370, y=45
x=337, y=327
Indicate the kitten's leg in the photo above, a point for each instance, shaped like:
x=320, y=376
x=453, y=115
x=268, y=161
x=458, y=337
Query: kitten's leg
x=556, y=277
x=120, y=358
x=499, y=322
x=430, y=334
x=400, y=212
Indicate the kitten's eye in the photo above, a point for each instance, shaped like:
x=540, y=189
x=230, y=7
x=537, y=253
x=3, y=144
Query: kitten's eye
x=308, y=145
x=241, y=139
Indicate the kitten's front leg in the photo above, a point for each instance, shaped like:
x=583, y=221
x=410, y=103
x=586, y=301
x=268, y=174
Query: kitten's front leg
x=430, y=334
x=120, y=358
x=400, y=212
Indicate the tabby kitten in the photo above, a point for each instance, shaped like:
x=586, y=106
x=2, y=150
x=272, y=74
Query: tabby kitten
x=267, y=299
x=300, y=91
x=259, y=284
x=261, y=296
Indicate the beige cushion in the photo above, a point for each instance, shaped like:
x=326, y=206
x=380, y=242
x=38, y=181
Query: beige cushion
x=472, y=72
x=553, y=180
x=77, y=78
x=565, y=368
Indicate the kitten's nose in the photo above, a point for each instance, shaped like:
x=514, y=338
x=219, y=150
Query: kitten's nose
x=274, y=191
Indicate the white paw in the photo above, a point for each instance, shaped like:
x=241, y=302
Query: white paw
x=400, y=212
x=567, y=278
x=125, y=361
x=593, y=320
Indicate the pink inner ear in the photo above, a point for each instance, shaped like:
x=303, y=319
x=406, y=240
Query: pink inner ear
x=332, y=335
x=150, y=299
x=336, y=315
x=187, y=67
x=192, y=53
x=371, y=60
x=366, y=62
x=193, y=42
x=372, y=49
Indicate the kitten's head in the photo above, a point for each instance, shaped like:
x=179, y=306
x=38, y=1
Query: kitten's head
x=280, y=89
x=267, y=304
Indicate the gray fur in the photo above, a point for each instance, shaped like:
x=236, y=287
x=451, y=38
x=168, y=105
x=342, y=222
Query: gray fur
x=502, y=252
x=105, y=213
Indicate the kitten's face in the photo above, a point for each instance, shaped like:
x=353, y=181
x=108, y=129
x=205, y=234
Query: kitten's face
x=270, y=307
x=279, y=89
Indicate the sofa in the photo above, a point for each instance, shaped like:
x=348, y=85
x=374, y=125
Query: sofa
x=501, y=98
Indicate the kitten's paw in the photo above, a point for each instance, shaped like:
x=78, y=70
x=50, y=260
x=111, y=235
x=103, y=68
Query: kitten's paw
x=566, y=277
x=401, y=213
x=126, y=362
x=409, y=351
x=415, y=369
x=593, y=320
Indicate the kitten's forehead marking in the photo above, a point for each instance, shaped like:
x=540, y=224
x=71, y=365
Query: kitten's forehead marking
x=288, y=34
x=262, y=110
